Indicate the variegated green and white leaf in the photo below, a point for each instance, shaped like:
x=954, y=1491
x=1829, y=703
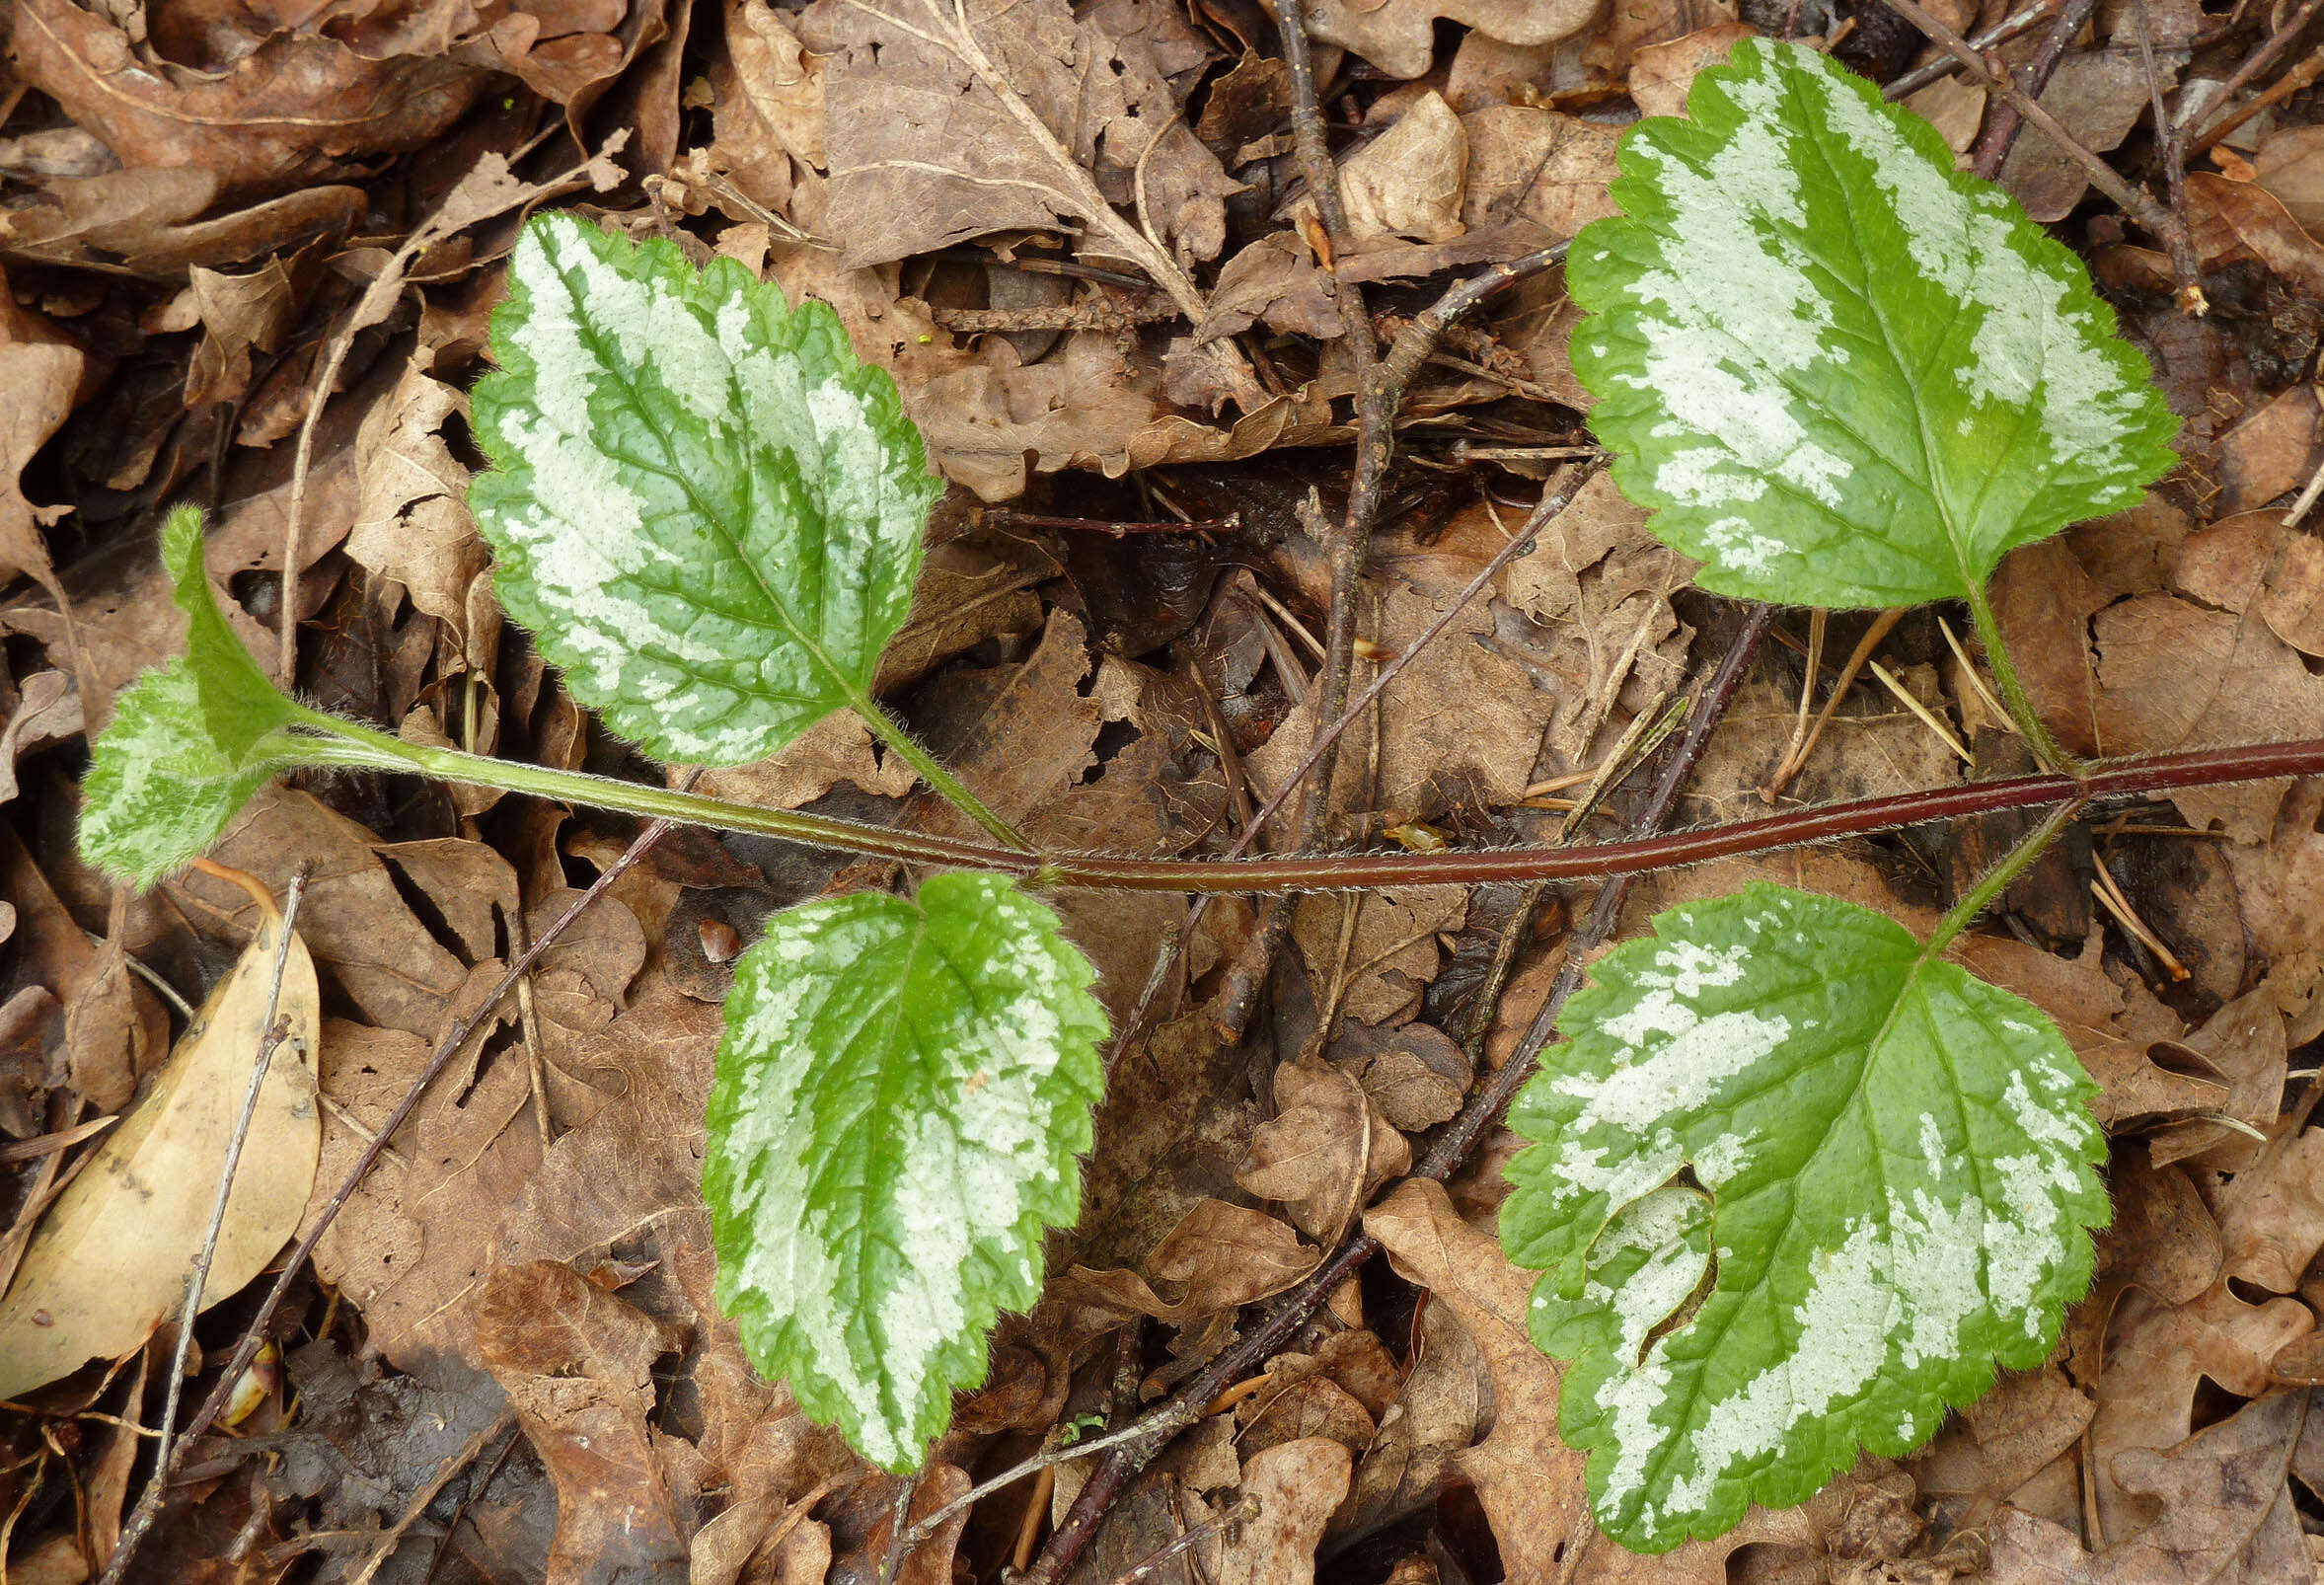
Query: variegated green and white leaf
x=705, y=506
x=1892, y=1185
x=902, y=1093
x=189, y=742
x=1841, y=373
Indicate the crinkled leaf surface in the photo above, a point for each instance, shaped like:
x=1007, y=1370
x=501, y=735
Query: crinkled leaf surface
x=1841, y=373
x=901, y=1095
x=1899, y=1165
x=708, y=510
x=189, y=743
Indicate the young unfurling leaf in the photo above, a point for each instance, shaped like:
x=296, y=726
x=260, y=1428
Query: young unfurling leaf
x=1891, y=1183
x=1839, y=372
x=189, y=742
x=708, y=510
x=902, y=1093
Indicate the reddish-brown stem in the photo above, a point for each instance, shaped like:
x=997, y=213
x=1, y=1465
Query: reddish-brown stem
x=1101, y=525
x=2163, y=773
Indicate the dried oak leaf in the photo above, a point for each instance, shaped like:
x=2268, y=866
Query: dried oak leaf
x=2252, y=561
x=1391, y=952
x=1409, y=181
x=2269, y=453
x=577, y=1365
x=1528, y=1479
x=1537, y=165
x=1295, y=1485
x=2226, y=1512
x=1400, y=36
x=1325, y=1151
x=2028, y=1421
x=290, y=108
x=42, y=372
x=1662, y=74
x=945, y=123
x=2174, y=675
x=411, y=521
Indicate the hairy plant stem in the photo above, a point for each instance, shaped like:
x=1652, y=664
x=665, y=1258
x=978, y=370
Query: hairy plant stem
x=1995, y=880
x=344, y=744
x=2047, y=751
x=892, y=732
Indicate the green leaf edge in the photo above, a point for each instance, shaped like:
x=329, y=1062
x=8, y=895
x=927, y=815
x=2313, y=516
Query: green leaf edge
x=503, y=391
x=1787, y=1483
x=775, y=1347
x=211, y=703
x=1711, y=115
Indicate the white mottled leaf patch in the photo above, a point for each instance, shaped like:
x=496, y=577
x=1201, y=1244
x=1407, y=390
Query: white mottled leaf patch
x=189, y=743
x=708, y=510
x=1884, y=1165
x=1838, y=372
x=902, y=1093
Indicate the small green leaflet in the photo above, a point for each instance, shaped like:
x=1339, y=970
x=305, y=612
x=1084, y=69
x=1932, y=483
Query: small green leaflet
x=1839, y=372
x=902, y=1093
x=1899, y=1165
x=706, y=509
x=189, y=743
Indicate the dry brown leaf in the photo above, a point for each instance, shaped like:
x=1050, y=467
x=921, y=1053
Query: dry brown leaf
x=362, y=933
x=1227, y=1256
x=2045, y=601
x=2271, y=1213
x=1528, y=1479
x=47, y=711
x=1631, y=25
x=2243, y=1045
x=946, y=125
x=2290, y=163
x=1325, y=1151
x=281, y=110
x=2269, y=453
x=577, y=1365
x=1662, y=74
x=411, y=521
x=838, y=748
x=1537, y=165
x=43, y=375
x=2173, y=675
x=1027, y=740
x=2252, y=562
x=1393, y=953
x=1295, y=1485
x=1460, y=725
x=2163, y=1237
x=1417, y=1075
x=2000, y=1442
x=1410, y=179
x=1400, y=36
x=112, y=1256
x=1434, y=1416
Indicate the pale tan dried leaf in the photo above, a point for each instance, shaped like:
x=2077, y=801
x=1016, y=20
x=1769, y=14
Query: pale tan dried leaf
x=1409, y=182
x=114, y=1254
x=1400, y=36
x=1295, y=1485
x=1662, y=74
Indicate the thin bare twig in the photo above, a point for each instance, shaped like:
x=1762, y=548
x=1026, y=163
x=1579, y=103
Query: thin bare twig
x=392, y=1541
x=274, y=1033
x=1186, y=1406
x=2001, y=32
x=2186, y=274
x=1186, y=1541
x=1993, y=149
x=2244, y=75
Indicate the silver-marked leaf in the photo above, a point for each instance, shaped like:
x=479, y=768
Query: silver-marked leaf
x=901, y=1095
x=1899, y=1160
x=708, y=510
x=189, y=741
x=1839, y=372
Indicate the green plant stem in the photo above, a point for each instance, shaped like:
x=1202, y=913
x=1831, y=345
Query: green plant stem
x=2013, y=695
x=891, y=732
x=345, y=744
x=1997, y=880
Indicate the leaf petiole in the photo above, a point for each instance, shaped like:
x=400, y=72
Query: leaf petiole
x=899, y=740
x=2047, y=750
